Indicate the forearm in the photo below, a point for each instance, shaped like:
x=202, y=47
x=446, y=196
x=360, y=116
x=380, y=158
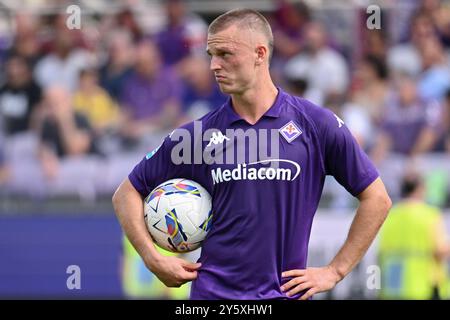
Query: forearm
x=370, y=215
x=75, y=141
x=425, y=142
x=128, y=206
x=381, y=149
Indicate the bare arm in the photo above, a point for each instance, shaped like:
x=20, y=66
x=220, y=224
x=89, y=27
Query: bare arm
x=442, y=251
x=75, y=141
x=128, y=205
x=381, y=149
x=425, y=142
x=49, y=161
x=372, y=211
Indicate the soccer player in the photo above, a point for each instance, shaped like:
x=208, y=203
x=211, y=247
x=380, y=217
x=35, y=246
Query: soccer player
x=258, y=243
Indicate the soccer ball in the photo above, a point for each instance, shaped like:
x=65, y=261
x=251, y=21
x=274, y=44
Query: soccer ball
x=178, y=215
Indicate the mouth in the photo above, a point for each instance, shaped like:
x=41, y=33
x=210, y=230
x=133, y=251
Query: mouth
x=220, y=78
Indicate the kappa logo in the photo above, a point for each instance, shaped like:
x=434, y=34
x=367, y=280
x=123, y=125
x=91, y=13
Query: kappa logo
x=290, y=131
x=339, y=120
x=217, y=137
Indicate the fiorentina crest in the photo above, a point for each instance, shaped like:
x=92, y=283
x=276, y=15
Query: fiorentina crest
x=290, y=131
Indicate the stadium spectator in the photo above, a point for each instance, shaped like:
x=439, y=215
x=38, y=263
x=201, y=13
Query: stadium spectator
x=410, y=126
x=413, y=247
x=62, y=66
x=370, y=86
x=26, y=42
x=374, y=44
x=201, y=94
x=183, y=35
x=63, y=131
x=435, y=76
x=439, y=15
x=19, y=96
x=150, y=96
x=95, y=103
x=288, y=24
x=405, y=57
x=126, y=20
x=119, y=62
x=325, y=68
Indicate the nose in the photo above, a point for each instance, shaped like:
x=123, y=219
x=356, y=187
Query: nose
x=214, y=66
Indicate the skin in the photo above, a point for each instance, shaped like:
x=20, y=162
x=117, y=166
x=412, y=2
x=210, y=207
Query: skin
x=240, y=63
x=75, y=141
x=374, y=204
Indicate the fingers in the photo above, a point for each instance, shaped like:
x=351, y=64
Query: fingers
x=288, y=285
x=178, y=271
x=189, y=276
x=181, y=278
x=308, y=294
x=299, y=288
x=191, y=266
x=299, y=283
x=294, y=273
x=189, y=270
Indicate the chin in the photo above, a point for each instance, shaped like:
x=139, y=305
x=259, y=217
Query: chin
x=227, y=89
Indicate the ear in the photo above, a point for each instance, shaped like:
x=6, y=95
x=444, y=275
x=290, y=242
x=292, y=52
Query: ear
x=261, y=53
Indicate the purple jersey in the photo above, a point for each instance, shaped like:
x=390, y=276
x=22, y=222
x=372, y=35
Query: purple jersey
x=262, y=216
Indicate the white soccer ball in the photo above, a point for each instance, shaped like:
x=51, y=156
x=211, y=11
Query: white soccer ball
x=178, y=215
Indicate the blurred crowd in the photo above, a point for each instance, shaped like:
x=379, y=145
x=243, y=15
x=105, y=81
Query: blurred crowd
x=79, y=107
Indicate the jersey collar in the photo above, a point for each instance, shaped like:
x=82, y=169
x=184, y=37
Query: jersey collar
x=273, y=112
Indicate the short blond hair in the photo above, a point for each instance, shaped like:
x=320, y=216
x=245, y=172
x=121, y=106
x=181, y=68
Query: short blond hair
x=246, y=18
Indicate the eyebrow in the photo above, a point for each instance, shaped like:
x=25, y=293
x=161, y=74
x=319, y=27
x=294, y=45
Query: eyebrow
x=220, y=49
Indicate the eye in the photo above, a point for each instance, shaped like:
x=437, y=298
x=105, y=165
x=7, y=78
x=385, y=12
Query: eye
x=224, y=54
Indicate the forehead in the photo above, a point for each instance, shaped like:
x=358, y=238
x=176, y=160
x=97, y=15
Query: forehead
x=230, y=37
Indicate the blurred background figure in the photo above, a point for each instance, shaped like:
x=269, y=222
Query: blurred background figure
x=63, y=64
x=288, y=22
x=410, y=126
x=119, y=62
x=201, y=93
x=126, y=20
x=151, y=96
x=414, y=247
x=370, y=87
x=26, y=40
x=184, y=33
x=405, y=57
x=95, y=103
x=324, y=68
x=435, y=76
x=19, y=96
x=64, y=132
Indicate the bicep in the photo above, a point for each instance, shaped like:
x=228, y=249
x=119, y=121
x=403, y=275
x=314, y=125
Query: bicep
x=126, y=191
x=376, y=191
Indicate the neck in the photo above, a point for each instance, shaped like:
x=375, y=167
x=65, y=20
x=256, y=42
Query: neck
x=414, y=198
x=252, y=104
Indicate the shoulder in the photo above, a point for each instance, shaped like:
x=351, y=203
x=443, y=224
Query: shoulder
x=196, y=128
x=209, y=120
x=317, y=116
